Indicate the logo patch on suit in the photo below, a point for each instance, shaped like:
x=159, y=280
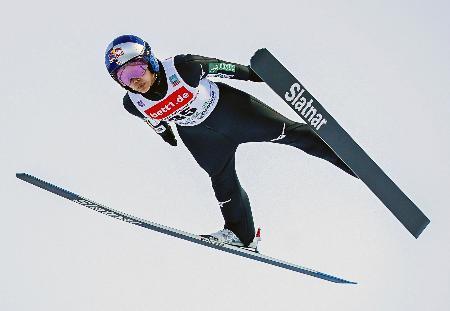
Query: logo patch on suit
x=174, y=80
x=171, y=105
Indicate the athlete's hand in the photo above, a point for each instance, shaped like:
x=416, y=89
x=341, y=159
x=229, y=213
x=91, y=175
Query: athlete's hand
x=169, y=137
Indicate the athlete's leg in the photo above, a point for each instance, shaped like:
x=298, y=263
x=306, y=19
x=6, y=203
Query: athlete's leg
x=250, y=120
x=215, y=153
x=234, y=203
x=303, y=137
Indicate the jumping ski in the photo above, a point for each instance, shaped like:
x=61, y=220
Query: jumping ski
x=280, y=80
x=174, y=232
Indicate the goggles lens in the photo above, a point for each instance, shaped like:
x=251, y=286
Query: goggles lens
x=133, y=70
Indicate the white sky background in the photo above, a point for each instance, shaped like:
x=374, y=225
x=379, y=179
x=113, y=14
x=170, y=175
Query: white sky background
x=380, y=68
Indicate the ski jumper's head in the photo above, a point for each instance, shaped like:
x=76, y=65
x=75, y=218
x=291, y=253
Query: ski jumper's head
x=131, y=63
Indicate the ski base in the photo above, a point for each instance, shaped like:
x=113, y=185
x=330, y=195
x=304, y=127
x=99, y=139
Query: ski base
x=282, y=82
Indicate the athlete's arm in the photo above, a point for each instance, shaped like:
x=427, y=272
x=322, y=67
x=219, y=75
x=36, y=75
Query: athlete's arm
x=193, y=68
x=162, y=128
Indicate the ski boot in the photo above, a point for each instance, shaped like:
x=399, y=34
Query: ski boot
x=227, y=236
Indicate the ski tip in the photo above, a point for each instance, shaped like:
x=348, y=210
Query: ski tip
x=20, y=175
x=25, y=176
x=257, y=54
x=261, y=50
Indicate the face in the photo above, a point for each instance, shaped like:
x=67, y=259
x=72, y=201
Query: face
x=143, y=84
x=136, y=76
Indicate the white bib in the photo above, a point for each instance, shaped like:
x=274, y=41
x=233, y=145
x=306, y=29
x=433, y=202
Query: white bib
x=183, y=104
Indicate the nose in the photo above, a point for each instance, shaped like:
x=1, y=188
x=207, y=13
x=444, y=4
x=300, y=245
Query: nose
x=136, y=81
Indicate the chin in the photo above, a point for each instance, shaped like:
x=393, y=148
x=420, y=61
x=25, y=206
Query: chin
x=144, y=90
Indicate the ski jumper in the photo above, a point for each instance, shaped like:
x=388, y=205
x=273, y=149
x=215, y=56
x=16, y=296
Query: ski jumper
x=213, y=119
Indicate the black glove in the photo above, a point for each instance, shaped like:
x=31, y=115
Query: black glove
x=163, y=129
x=168, y=136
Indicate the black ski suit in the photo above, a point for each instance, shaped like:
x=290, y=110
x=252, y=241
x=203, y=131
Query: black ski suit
x=238, y=118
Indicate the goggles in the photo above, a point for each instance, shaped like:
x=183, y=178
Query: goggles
x=132, y=70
